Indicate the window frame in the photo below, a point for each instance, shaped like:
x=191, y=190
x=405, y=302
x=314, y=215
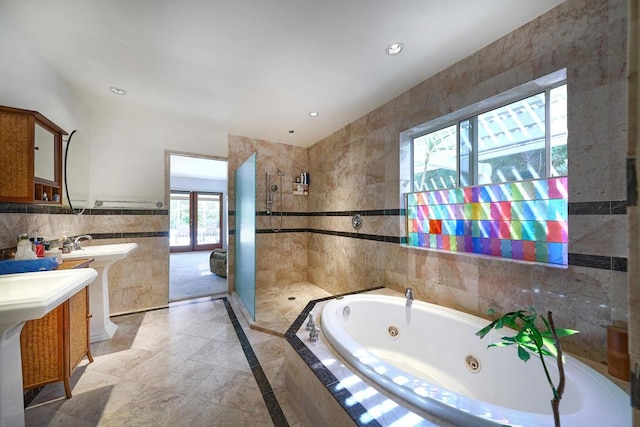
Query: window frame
x=472, y=113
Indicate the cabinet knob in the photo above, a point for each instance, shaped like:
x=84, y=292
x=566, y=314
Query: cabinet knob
x=36, y=148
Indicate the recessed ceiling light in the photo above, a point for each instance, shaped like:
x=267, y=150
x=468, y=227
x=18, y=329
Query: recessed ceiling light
x=313, y=114
x=394, y=48
x=117, y=90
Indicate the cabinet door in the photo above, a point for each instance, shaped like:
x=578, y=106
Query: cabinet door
x=78, y=328
x=16, y=157
x=41, y=343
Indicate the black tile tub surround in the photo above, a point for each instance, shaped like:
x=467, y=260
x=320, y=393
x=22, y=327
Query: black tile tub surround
x=324, y=374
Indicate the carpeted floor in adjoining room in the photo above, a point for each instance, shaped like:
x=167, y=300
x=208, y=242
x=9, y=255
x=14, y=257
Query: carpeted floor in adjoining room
x=190, y=276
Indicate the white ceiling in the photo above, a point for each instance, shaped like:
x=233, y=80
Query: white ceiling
x=198, y=168
x=257, y=68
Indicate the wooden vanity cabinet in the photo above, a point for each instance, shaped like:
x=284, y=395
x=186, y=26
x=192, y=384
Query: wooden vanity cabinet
x=30, y=157
x=54, y=345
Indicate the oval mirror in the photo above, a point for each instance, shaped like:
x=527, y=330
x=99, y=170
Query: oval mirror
x=76, y=171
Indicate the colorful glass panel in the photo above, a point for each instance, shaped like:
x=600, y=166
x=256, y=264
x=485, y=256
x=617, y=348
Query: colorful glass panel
x=525, y=220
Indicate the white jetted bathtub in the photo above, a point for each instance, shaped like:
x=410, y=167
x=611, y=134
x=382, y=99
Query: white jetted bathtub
x=430, y=356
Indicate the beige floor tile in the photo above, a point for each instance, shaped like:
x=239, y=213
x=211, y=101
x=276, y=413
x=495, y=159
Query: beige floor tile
x=181, y=366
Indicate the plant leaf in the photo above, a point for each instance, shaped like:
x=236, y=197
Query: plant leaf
x=500, y=344
x=566, y=332
x=536, y=336
x=550, y=345
x=484, y=331
x=523, y=354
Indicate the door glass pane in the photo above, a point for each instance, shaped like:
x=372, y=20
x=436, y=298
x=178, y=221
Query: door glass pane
x=208, y=219
x=179, y=227
x=245, y=237
x=435, y=160
x=511, y=142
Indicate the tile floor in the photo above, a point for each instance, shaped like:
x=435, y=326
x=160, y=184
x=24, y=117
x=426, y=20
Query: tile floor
x=275, y=312
x=180, y=366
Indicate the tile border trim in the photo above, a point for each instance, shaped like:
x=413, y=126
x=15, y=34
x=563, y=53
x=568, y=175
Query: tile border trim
x=275, y=411
x=604, y=207
x=607, y=207
x=30, y=208
x=324, y=374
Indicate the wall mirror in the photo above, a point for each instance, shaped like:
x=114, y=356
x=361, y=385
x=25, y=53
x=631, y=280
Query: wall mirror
x=76, y=171
x=45, y=154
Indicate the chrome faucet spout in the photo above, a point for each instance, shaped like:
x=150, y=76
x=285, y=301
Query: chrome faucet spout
x=408, y=293
x=76, y=241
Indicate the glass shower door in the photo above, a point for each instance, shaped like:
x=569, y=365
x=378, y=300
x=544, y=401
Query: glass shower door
x=245, y=235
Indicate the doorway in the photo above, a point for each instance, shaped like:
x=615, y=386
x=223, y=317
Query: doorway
x=196, y=198
x=195, y=221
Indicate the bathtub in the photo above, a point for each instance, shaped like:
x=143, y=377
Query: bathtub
x=430, y=357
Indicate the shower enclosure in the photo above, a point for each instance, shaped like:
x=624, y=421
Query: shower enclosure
x=245, y=235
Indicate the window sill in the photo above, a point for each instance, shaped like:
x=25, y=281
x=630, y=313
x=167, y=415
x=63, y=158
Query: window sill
x=489, y=257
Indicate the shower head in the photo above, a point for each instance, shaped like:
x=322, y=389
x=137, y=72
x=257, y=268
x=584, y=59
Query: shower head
x=280, y=173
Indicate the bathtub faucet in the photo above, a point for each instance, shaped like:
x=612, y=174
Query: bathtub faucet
x=409, y=294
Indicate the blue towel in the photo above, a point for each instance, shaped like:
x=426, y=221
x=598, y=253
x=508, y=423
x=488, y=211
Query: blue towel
x=27, y=265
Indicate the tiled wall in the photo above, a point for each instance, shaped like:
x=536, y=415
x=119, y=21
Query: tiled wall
x=359, y=169
x=281, y=256
x=524, y=220
x=138, y=282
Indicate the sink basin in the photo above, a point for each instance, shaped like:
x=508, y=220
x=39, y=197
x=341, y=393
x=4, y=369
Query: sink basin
x=23, y=297
x=27, y=296
x=101, y=326
x=102, y=253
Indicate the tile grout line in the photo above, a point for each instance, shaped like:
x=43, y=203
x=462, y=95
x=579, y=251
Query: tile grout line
x=268, y=395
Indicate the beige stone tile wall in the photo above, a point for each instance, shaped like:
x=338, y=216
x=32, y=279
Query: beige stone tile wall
x=140, y=281
x=359, y=167
x=363, y=167
x=281, y=256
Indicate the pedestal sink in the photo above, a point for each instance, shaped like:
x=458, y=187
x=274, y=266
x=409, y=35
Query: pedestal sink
x=23, y=297
x=102, y=328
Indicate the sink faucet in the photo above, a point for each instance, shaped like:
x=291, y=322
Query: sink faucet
x=409, y=294
x=76, y=241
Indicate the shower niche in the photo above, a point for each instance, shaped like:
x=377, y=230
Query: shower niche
x=300, y=189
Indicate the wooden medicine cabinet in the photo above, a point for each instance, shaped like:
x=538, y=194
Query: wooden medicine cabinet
x=30, y=157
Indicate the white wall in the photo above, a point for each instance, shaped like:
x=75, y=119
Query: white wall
x=29, y=82
x=125, y=159
x=127, y=153
x=193, y=184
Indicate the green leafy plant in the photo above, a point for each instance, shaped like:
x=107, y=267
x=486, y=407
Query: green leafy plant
x=529, y=339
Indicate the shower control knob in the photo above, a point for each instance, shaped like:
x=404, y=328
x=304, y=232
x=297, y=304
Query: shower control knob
x=356, y=221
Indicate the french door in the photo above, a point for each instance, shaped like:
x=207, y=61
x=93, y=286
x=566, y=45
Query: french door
x=195, y=221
